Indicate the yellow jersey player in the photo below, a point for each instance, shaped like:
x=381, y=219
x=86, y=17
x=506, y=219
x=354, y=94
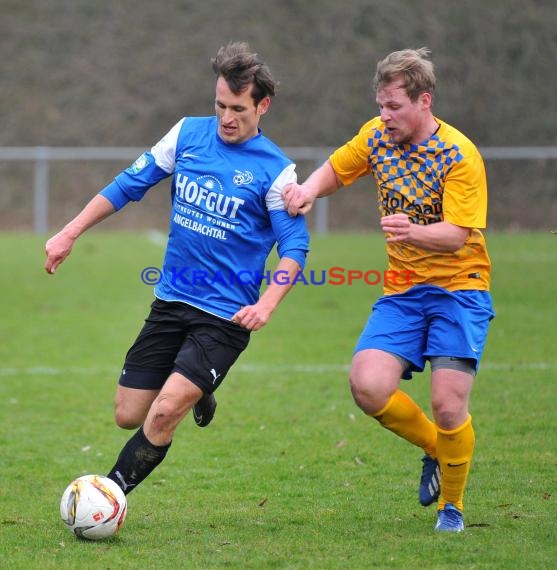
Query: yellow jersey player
x=432, y=195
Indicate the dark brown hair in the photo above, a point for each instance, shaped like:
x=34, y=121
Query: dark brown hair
x=242, y=68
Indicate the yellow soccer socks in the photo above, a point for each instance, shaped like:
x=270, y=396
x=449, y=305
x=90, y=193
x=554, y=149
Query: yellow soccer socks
x=404, y=417
x=454, y=453
x=453, y=449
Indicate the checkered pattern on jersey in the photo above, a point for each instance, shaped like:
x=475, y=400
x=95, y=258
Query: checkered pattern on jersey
x=410, y=178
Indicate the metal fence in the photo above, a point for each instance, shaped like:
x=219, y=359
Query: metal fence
x=41, y=157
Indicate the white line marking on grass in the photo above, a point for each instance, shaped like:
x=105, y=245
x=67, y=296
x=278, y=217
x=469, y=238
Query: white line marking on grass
x=54, y=371
x=526, y=257
x=521, y=366
x=249, y=369
x=284, y=368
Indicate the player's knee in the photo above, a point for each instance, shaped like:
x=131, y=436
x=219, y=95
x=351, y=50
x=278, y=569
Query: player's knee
x=448, y=416
x=126, y=422
x=366, y=396
x=125, y=419
x=165, y=414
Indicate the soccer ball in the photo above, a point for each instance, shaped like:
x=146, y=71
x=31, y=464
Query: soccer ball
x=93, y=507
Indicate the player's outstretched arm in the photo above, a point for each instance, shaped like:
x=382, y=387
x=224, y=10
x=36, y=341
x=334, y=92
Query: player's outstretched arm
x=58, y=247
x=299, y=198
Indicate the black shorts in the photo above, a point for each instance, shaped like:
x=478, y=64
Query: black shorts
x=180, y=338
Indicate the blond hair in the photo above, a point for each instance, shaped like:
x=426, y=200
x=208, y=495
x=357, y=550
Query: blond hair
x=410, y=65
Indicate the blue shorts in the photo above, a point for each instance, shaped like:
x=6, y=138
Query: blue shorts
x=428, y=321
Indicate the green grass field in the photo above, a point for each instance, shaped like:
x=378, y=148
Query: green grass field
x=290, y=474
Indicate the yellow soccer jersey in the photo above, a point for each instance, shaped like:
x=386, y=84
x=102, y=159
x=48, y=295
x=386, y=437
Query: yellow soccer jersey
x=441, y=179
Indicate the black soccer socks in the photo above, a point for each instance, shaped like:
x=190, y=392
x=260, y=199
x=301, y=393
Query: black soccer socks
x=136, y=461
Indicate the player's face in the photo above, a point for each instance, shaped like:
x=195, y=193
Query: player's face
x=407, y=122
x=238, y=116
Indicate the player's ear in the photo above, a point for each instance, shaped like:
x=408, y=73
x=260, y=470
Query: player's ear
x=263, y=105
x=426, y=100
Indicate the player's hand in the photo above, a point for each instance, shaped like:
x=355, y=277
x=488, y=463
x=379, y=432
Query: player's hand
x=252, y=317
x=298, y=199
x=57, y=248
x=397, y=227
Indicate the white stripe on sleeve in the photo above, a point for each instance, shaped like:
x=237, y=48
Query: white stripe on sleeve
x=273, y=199
x=164, y=151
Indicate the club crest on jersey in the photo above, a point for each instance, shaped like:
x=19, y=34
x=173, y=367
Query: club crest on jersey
x=139, y=164
x=241, y=178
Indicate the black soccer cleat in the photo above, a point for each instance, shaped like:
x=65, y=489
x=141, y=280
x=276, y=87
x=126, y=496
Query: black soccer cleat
x=204, y=410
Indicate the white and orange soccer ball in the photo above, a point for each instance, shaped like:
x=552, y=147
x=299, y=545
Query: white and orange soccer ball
x=93, y=507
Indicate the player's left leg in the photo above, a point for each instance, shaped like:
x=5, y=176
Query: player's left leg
x=451, y=390
x=204, y=410
x=458, y=324
x=176, y=399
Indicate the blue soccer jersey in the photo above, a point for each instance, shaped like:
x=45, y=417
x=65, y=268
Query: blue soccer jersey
x=227, y=213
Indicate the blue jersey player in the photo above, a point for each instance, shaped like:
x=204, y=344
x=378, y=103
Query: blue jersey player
x=227, y=214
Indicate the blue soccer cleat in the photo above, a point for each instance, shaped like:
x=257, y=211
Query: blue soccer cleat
x=449, y=519
x=430, y=482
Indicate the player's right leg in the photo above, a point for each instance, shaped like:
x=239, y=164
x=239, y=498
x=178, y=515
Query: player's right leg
x=131, y=406
x=390, y=348
x=374, y=380
x=148, y=364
